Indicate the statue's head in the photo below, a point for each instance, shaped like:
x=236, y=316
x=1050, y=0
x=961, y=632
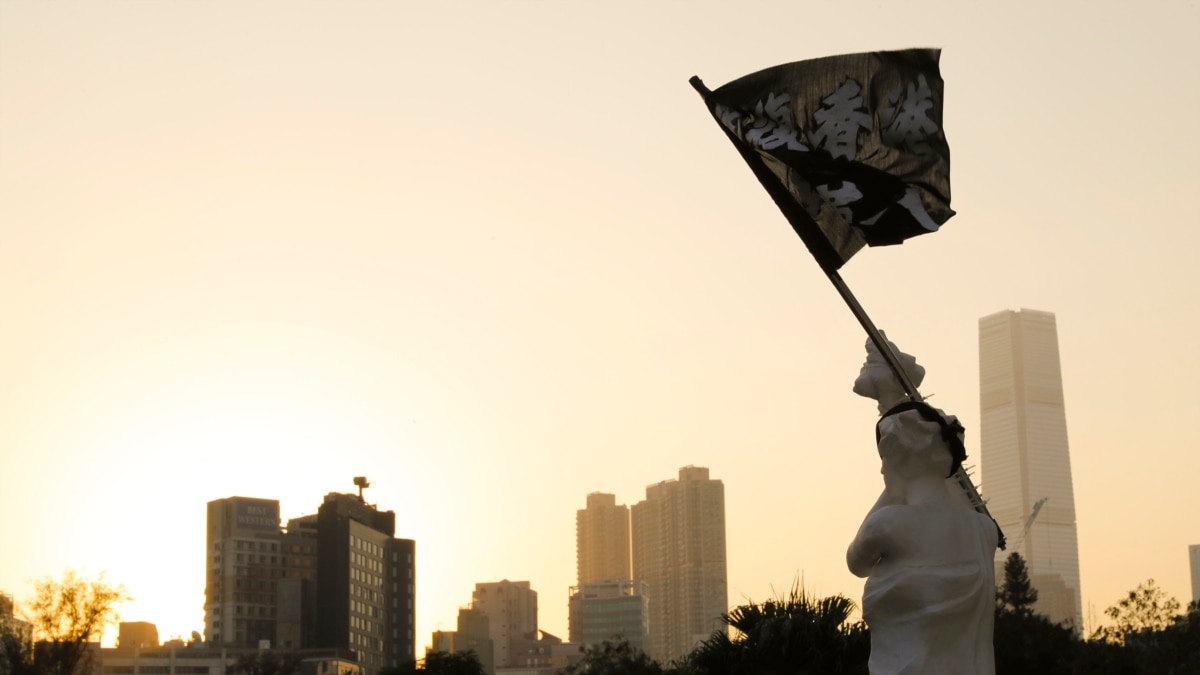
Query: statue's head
x=877, y=381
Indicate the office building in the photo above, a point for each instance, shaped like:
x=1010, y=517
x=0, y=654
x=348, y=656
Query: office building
x=602, y=540
x=1024, y=460
x=296, y=594
x=678, y=535
x=609, y=610
x=366, y=580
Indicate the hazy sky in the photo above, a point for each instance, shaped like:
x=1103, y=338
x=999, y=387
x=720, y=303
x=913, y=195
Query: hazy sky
x=497, y=255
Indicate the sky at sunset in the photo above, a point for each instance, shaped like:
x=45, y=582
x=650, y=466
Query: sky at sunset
x=496, y=256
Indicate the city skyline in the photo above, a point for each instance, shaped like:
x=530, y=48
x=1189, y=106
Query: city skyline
x=497, y=256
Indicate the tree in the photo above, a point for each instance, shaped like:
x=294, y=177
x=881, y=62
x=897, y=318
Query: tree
x=1026, y=643
x=67, y=615
x=442, y=663
x=1144, y=611
x=1016, y=594
x=1140, y=643
x=1030, y=644
x=266, y=663
x=794, y=635
x=614, y=657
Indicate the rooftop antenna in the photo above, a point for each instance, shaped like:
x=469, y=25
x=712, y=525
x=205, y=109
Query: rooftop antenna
x=361, y=482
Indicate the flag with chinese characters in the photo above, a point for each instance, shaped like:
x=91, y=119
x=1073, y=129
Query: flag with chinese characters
x=850, y=147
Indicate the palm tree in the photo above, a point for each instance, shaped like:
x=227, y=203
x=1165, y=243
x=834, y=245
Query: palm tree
x=798, y=634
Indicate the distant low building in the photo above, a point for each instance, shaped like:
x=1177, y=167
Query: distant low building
x=180, y=659
x=511, y=609
x=9, y=621
x=137, y=635
x=609, y=610
x=473, y=635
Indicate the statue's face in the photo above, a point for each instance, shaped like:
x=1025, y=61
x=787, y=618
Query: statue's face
x=874, y=378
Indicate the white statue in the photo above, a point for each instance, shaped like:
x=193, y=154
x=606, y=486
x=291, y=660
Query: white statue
x=930, y=594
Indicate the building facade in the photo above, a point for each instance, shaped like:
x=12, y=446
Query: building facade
x=602, y=540
x=609, y=610
x=678, y=535
x=338, y=579
x=366, y=581
x=1025, y=462
x=241, y=572
x=511, y=611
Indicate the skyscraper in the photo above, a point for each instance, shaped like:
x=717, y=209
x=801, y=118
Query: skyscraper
x=679, y=552
x=1194, y=559
x=606, y=603
x=1024, y=458
x=602, y=540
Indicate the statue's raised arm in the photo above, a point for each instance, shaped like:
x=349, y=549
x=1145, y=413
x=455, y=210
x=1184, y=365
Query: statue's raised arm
x=926, y=552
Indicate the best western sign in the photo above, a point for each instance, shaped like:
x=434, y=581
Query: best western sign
x=257, y=515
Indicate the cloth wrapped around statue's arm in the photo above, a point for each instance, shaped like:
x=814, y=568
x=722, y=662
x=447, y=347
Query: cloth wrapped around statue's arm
x=868, y=545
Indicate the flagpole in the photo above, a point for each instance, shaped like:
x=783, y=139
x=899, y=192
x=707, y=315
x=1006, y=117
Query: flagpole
x=960, y=476
x=872, y=332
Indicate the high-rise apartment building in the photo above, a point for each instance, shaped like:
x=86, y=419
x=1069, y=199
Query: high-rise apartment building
x=678, y=535
x=602, y=540
x=606, y=603
x=1024, y=458
x=511, y=611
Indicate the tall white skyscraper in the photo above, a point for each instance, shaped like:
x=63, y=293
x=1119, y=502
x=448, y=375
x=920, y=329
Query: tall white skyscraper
x=679, y=552
x=1024, y=458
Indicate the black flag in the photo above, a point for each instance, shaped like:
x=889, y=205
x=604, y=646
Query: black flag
x=850, y=147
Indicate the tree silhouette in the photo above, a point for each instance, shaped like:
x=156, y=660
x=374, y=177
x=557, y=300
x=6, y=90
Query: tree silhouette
x=794, y=635
x=442, y=663
x=66, y=616
x=614, y=657
x=1144, y=611
x=1017, y=593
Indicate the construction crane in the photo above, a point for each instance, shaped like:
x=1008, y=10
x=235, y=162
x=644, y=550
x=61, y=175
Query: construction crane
x=1033, y=514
